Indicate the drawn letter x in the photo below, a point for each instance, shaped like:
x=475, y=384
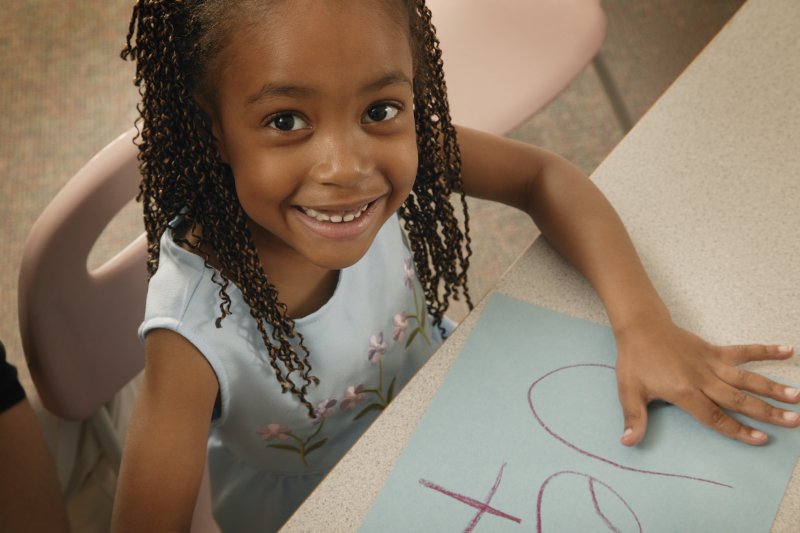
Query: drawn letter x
x=482, y=507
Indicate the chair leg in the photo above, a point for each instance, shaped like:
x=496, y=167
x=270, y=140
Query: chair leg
x=103, y=429
x=617, y=104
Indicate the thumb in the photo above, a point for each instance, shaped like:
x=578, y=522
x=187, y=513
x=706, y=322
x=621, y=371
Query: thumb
x=634, y=411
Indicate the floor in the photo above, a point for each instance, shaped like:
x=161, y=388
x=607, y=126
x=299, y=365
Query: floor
x=65, y=93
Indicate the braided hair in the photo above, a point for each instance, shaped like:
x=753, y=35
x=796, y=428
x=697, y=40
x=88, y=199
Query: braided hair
x=174, y=44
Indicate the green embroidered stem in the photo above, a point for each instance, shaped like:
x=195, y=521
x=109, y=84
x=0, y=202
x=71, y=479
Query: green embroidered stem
x=380, y=372
x=420, y=322
x=305, y=445
x=379, y=394
x=319, y=428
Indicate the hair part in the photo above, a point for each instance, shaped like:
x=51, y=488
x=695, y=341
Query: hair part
x=176, y=45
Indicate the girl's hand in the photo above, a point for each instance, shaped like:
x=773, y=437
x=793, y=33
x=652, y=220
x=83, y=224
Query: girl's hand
x=660, y=361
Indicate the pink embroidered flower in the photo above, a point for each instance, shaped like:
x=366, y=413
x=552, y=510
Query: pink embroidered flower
x=377, y=347
x=323, y=410
x=408, y=268
x=400, y=326
x=274, y=431
x=352, y=397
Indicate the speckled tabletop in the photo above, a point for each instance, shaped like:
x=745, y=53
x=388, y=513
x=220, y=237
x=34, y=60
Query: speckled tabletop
x=708, y=184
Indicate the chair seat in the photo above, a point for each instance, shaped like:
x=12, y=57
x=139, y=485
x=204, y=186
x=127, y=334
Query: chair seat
x=506, y=59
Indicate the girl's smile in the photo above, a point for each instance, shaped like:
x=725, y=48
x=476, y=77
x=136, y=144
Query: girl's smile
x=340, y=222
x=318, y=131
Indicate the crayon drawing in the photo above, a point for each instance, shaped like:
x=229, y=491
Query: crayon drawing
x=524, y=436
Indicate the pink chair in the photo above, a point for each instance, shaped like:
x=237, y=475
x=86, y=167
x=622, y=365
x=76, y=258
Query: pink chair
x=79, y=327
x=506, y=59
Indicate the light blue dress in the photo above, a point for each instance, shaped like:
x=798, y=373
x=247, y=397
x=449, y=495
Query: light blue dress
x=265, y=453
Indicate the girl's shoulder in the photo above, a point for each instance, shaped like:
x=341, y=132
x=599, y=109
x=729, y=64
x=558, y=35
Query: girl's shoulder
x=188, y=237
x=176, y=284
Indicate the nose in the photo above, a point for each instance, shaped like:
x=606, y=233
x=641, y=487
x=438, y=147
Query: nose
x=342, y=159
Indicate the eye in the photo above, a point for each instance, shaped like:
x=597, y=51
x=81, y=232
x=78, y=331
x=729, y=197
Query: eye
x=381, y=112
x=287, y=122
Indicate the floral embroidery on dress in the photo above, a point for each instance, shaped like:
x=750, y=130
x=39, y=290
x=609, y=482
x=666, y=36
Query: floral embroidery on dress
x=377, y=349
x=400, y=326
x=306, y=445
x=354, y=395
x=419, y=307
x=274, y=431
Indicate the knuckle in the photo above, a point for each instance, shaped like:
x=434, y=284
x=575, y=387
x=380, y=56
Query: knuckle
x=717, y=419
x=683, y=389
x=769, y=411
x=739, y=399
x=742, y=377
x=630, y=415
x=773, y=388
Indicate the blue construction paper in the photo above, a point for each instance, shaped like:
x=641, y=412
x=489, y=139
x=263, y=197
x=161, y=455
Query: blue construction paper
x=480, y=460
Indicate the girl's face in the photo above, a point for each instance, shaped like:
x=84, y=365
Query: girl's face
x=314, y=114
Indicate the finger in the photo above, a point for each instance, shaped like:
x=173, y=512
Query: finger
x=634, y=412
x=736, y=355
x=742, y=379
x=712, y=416
x=739, y=401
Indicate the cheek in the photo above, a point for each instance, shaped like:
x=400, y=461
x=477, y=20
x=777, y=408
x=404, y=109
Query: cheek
x=263, y=172
x=406, y=160
x=263, y=188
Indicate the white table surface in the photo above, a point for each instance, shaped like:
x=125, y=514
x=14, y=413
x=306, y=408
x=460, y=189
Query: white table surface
x=708, y=184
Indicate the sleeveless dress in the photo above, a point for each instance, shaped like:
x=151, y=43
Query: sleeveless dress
x=265, y=454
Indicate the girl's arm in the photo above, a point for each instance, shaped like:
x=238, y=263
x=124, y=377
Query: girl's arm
x=165, y=449
x=655, y=358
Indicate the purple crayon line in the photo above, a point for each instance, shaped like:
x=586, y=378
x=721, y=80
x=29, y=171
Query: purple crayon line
x=592, y=455
x=592, y=480
x=482, y=507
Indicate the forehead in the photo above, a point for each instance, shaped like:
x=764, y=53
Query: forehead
x=327, y=43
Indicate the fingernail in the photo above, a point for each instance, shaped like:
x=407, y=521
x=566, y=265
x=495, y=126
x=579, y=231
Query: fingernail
x=790, y=416
x=785, y=349
x=791, y=392
x=758, y=435
x=625, y=434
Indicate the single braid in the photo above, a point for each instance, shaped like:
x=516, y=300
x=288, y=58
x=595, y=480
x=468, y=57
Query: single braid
x=183, y=176
x=441, y=249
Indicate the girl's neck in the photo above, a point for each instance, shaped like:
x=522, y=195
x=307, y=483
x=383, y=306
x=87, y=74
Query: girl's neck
x=302, y=286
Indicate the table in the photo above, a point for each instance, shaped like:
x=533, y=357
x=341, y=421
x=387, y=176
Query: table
x=708, y=184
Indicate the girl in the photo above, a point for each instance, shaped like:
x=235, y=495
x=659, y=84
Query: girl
x=280, y=143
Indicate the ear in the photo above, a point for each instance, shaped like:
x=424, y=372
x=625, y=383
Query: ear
x=212, y=118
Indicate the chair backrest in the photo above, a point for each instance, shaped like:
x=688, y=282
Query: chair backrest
x=79, y=327
x=506, y=59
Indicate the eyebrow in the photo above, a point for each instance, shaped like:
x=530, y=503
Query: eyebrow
x=273, y=90
x=393, y=78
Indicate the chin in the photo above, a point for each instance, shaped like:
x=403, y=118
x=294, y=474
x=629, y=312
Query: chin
x=338, y=260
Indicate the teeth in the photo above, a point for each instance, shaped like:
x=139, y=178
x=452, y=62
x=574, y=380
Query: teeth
x=342, y=217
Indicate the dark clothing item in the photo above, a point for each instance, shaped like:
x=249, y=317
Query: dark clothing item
x=11, y=392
